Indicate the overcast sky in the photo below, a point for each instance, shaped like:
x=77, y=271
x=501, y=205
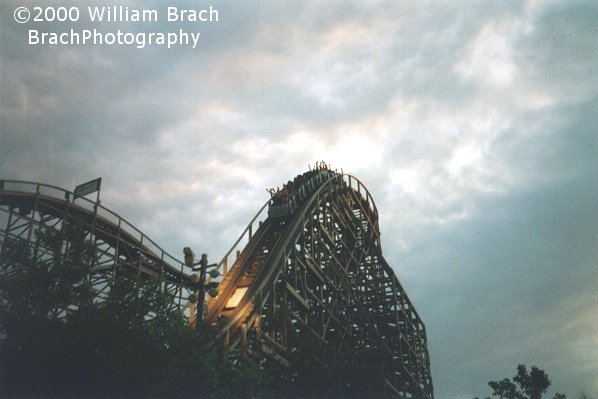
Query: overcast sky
x=473, y=124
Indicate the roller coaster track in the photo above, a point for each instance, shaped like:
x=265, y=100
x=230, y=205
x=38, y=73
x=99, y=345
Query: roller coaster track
x=27, y=208
x=308, y=275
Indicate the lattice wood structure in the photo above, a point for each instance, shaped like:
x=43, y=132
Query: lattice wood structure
x=307, y=270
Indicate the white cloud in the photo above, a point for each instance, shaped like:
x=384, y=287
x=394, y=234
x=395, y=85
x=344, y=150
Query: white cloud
x=490, y=56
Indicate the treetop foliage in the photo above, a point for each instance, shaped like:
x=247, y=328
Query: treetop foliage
x=61, y=341
x=525, y=385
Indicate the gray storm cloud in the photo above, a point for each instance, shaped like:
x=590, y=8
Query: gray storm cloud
x=472, y=124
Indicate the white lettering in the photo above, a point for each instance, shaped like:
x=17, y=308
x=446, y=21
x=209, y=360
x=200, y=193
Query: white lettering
x=33, y=36
x=184, y=15
x=195, y=37
x=75, y=37
x=173, y=15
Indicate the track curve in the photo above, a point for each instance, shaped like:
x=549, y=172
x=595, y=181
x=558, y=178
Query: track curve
x=28, y=207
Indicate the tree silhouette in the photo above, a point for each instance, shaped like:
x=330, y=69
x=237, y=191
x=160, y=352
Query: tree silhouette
x=58, y=341
x=525, y=385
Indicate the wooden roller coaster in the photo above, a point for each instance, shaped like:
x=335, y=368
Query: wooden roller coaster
x=307, y=269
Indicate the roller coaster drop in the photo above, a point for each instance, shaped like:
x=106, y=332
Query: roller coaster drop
x=308, y=271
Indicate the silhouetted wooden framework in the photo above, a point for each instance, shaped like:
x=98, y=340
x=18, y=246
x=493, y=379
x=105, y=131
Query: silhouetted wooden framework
x=27, y=207
x=315, y=274
x=307, y=270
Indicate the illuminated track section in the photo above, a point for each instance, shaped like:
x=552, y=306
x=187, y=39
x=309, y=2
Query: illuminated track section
x=313, y=275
